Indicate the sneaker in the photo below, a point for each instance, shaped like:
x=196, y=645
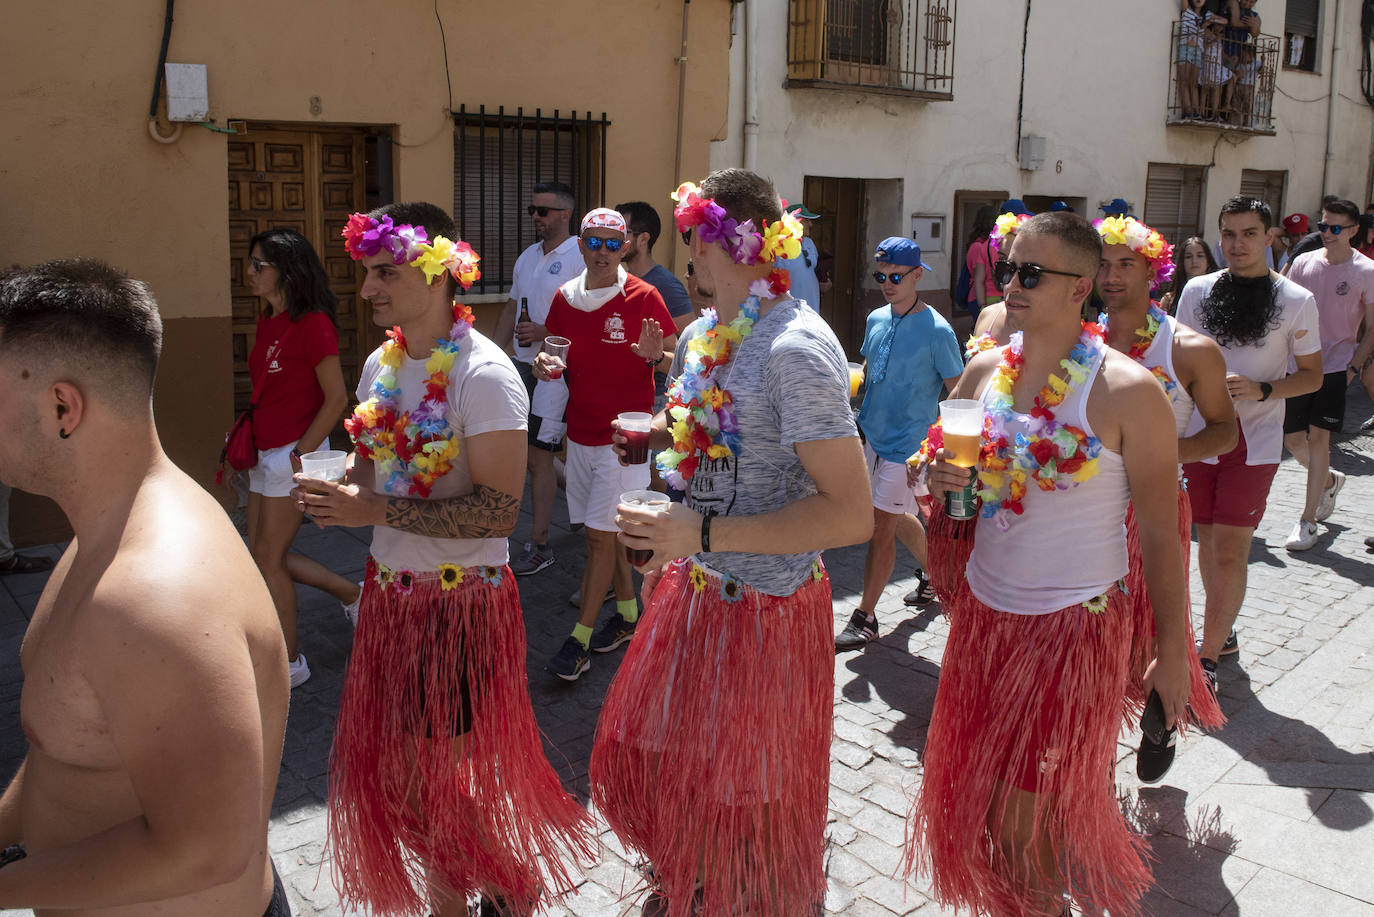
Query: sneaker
x=1367, y=425
x=923, y=594
x=861, y=630
x=571, y=661
x=613, y=633
x=1231, y=646
x=350, y=609
x=1155, y=755
x=1209, y=672
x=1328, y=502
x=1369, y=541
x=533, y=559
x=575, y=600
x=1303, y=537
x=300, y=670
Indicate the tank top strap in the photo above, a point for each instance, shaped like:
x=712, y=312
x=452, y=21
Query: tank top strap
x=1073, y=410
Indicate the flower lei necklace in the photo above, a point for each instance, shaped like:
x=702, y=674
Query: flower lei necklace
x=976, y=345
x=701, y=413
x=420, y=440
x=1144, y=338
x=1055, y=455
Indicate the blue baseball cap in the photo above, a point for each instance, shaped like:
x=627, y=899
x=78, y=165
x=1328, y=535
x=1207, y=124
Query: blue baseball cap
x=1017, y=206
x=899, y=250
x=1059, y=206
x=1116, y=207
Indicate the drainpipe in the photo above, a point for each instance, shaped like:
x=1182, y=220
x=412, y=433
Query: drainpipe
x=681, y=96
x=1331, y=95
x=751, y=85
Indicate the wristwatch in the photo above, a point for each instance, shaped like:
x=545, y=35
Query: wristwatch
x=1265, y=391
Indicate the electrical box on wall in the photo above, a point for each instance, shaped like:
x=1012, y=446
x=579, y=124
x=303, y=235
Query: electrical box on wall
x=188, y=93
x=928, y=229
x=1032, y=152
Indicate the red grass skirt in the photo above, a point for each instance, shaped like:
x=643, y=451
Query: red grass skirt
x=493, y=815
x=949, y=542
x=712, y=754
x=1205, y=711
x=1013, y=687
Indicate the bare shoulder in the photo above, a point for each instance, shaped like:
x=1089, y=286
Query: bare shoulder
x=976, y=374
x=1129, y=392
x=1195, y=352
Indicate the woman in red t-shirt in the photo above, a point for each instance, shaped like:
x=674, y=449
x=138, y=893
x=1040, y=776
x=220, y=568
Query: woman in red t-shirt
x=298, y=395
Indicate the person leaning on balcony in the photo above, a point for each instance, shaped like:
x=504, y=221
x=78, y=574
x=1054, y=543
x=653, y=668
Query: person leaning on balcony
x=1190, y=57
x=1242, y=28
x=299, y=395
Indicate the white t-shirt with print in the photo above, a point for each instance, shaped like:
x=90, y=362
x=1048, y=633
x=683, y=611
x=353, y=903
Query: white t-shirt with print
x=536, y=277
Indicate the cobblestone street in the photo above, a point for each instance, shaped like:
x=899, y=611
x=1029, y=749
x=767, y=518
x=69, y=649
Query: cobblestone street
x=1272, y=815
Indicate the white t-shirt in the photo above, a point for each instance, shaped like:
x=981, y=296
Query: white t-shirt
x=1294, y=332
x=537, y=277
x=484, y=394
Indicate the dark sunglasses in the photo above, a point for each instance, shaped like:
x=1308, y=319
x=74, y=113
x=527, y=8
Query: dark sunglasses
x=1028, y=274
x=893, y=278
x=595, y=242
x=1332, y=228
x=542, y=211
x=257, y=264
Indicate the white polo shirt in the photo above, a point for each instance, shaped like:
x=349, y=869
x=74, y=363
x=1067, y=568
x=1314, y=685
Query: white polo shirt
x=536, y=277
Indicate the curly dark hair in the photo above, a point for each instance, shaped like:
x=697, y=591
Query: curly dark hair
x=301, y=276
x=1240, y=310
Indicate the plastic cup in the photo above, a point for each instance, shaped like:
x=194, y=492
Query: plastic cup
x=649, y=498
x=856, y=379
x=556, y=346
x=962, y=422
x=324, y=465
x=635, y=426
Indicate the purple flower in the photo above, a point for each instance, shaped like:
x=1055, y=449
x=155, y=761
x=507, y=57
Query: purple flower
x=404, y=243
x=373, y=240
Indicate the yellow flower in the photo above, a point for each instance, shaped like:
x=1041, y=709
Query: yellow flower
x=681, y=432
x=1085, y=471
x=440, y=361
x=782, y=239
x=1113, y=231
x=450, y=575
x=434, y=260
x=392, y=356
x=718, y=451
x=697, y=576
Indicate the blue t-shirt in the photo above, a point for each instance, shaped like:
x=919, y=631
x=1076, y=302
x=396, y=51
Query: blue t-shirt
x=802, y=270
x=909, y=358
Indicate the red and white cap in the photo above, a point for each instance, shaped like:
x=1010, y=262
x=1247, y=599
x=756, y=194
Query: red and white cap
x=603, y=218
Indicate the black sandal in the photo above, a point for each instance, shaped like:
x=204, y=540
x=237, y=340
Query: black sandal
x=25, y=563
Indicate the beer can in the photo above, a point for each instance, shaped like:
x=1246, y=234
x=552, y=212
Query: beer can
x=963, y=502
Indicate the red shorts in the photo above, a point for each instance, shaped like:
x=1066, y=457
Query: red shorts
x=1229, y=492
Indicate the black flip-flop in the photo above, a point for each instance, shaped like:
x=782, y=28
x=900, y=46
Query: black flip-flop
x=25, y=563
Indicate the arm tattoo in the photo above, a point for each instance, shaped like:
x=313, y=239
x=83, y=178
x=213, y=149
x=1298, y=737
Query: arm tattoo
x=484, y=513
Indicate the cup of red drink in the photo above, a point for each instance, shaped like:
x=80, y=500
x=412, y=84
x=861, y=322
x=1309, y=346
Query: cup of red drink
x=635, y=426
x=640, y=499
x=556, y=346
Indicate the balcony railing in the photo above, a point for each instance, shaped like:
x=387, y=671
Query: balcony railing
x=1244, y=100
x=895, y=46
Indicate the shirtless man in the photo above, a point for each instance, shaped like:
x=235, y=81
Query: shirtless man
x=155, y=688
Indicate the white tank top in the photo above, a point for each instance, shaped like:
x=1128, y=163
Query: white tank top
x=1160, y=355
x=1068, y=546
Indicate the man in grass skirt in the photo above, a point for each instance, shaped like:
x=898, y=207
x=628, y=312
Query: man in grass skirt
x=438, y=786
x=713, y=748
x=1016, y=806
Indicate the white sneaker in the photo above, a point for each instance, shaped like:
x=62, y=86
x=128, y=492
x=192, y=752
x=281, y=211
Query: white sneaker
x=1304, y=536
x=350, y=609
x=1328, y=502
x=300, y=671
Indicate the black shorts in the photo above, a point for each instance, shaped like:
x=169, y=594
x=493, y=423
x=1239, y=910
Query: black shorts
x=1324, y=408
x=454, y=682
x=278, y=906
x=526, y=371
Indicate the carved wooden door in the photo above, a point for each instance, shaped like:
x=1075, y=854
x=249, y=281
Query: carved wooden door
x=309, y=181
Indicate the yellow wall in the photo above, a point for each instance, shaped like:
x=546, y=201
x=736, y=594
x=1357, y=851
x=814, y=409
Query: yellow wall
x=79, y=174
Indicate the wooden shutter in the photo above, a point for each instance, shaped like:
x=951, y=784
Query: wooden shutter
x=1267, y=186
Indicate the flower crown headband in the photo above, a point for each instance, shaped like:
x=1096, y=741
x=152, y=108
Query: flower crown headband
x=365, y=236
x=1141, y=239
x=1005, y=227
x=779, y=240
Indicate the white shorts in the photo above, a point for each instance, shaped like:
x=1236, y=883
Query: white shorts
x=891, y=492
x=271, y=476
x=596, y=479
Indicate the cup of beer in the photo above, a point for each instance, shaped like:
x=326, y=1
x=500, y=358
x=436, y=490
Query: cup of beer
x=641, y=498
x=962, y=422
x=856, y=379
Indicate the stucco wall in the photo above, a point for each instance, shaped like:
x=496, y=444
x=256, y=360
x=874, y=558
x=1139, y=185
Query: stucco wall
x=79, y=174
x=1096, y=86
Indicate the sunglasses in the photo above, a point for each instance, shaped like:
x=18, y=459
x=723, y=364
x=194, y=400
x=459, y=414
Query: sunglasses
x=595, y=242
x=1028, y=274
x=543, y=211
x=1332, y=228
x=257, y=264
x=893, y=278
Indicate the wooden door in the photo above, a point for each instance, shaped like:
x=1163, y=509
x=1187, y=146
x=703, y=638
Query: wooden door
x=309, y=181
x=840, y=231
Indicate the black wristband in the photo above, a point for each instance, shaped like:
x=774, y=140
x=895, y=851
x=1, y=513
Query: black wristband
x=12, y=853
x=1265, y=391
x=706, y=533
